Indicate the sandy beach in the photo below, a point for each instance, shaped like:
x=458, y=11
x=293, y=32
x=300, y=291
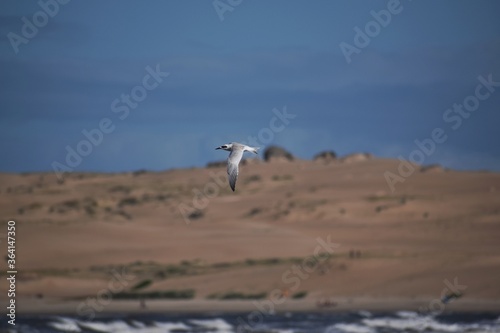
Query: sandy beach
x=244, y=306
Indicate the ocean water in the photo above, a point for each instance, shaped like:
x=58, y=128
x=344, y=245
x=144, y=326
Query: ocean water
x=356, y=322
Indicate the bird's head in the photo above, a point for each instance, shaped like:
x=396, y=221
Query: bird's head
x=226, y=146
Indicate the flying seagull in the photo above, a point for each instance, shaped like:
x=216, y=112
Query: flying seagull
x=237, y=150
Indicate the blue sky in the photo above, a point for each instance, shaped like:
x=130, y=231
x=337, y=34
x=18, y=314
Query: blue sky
x=226, y=77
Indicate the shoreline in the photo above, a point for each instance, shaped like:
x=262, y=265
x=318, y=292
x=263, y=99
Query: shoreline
x=344, y=304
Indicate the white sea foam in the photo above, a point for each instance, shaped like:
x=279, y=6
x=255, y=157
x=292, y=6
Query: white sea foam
x=418, y=324
x=65, y=325
x=403, y=321
x=366, y=314
x=353, y=328
x=137, y=324
x=172, y=326
x=407, y=314
x=111, y=327
x=220, y=325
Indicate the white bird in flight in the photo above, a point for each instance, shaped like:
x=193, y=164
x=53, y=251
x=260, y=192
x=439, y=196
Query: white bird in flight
x=237, y=150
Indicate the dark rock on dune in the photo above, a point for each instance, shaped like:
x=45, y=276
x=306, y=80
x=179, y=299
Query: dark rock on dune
x=325, y=156
x=356, y=157
x=435, y=168
x=139, y=172
x=275, y=153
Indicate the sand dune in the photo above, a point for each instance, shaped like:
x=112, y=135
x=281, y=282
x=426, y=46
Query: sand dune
x=437, y=225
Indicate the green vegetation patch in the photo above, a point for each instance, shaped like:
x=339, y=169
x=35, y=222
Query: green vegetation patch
x=375, y=198
x=282, y=177
x=142, y=284
x=230, y=295
x=167, y=294
x=299, y=295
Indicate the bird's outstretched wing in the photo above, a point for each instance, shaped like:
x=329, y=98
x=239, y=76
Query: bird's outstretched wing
x=232, y=166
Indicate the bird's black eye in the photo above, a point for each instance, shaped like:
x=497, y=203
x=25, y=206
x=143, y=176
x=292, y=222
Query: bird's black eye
x=224, y=147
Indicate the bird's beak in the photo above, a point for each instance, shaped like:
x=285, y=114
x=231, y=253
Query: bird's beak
x=218, y=148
